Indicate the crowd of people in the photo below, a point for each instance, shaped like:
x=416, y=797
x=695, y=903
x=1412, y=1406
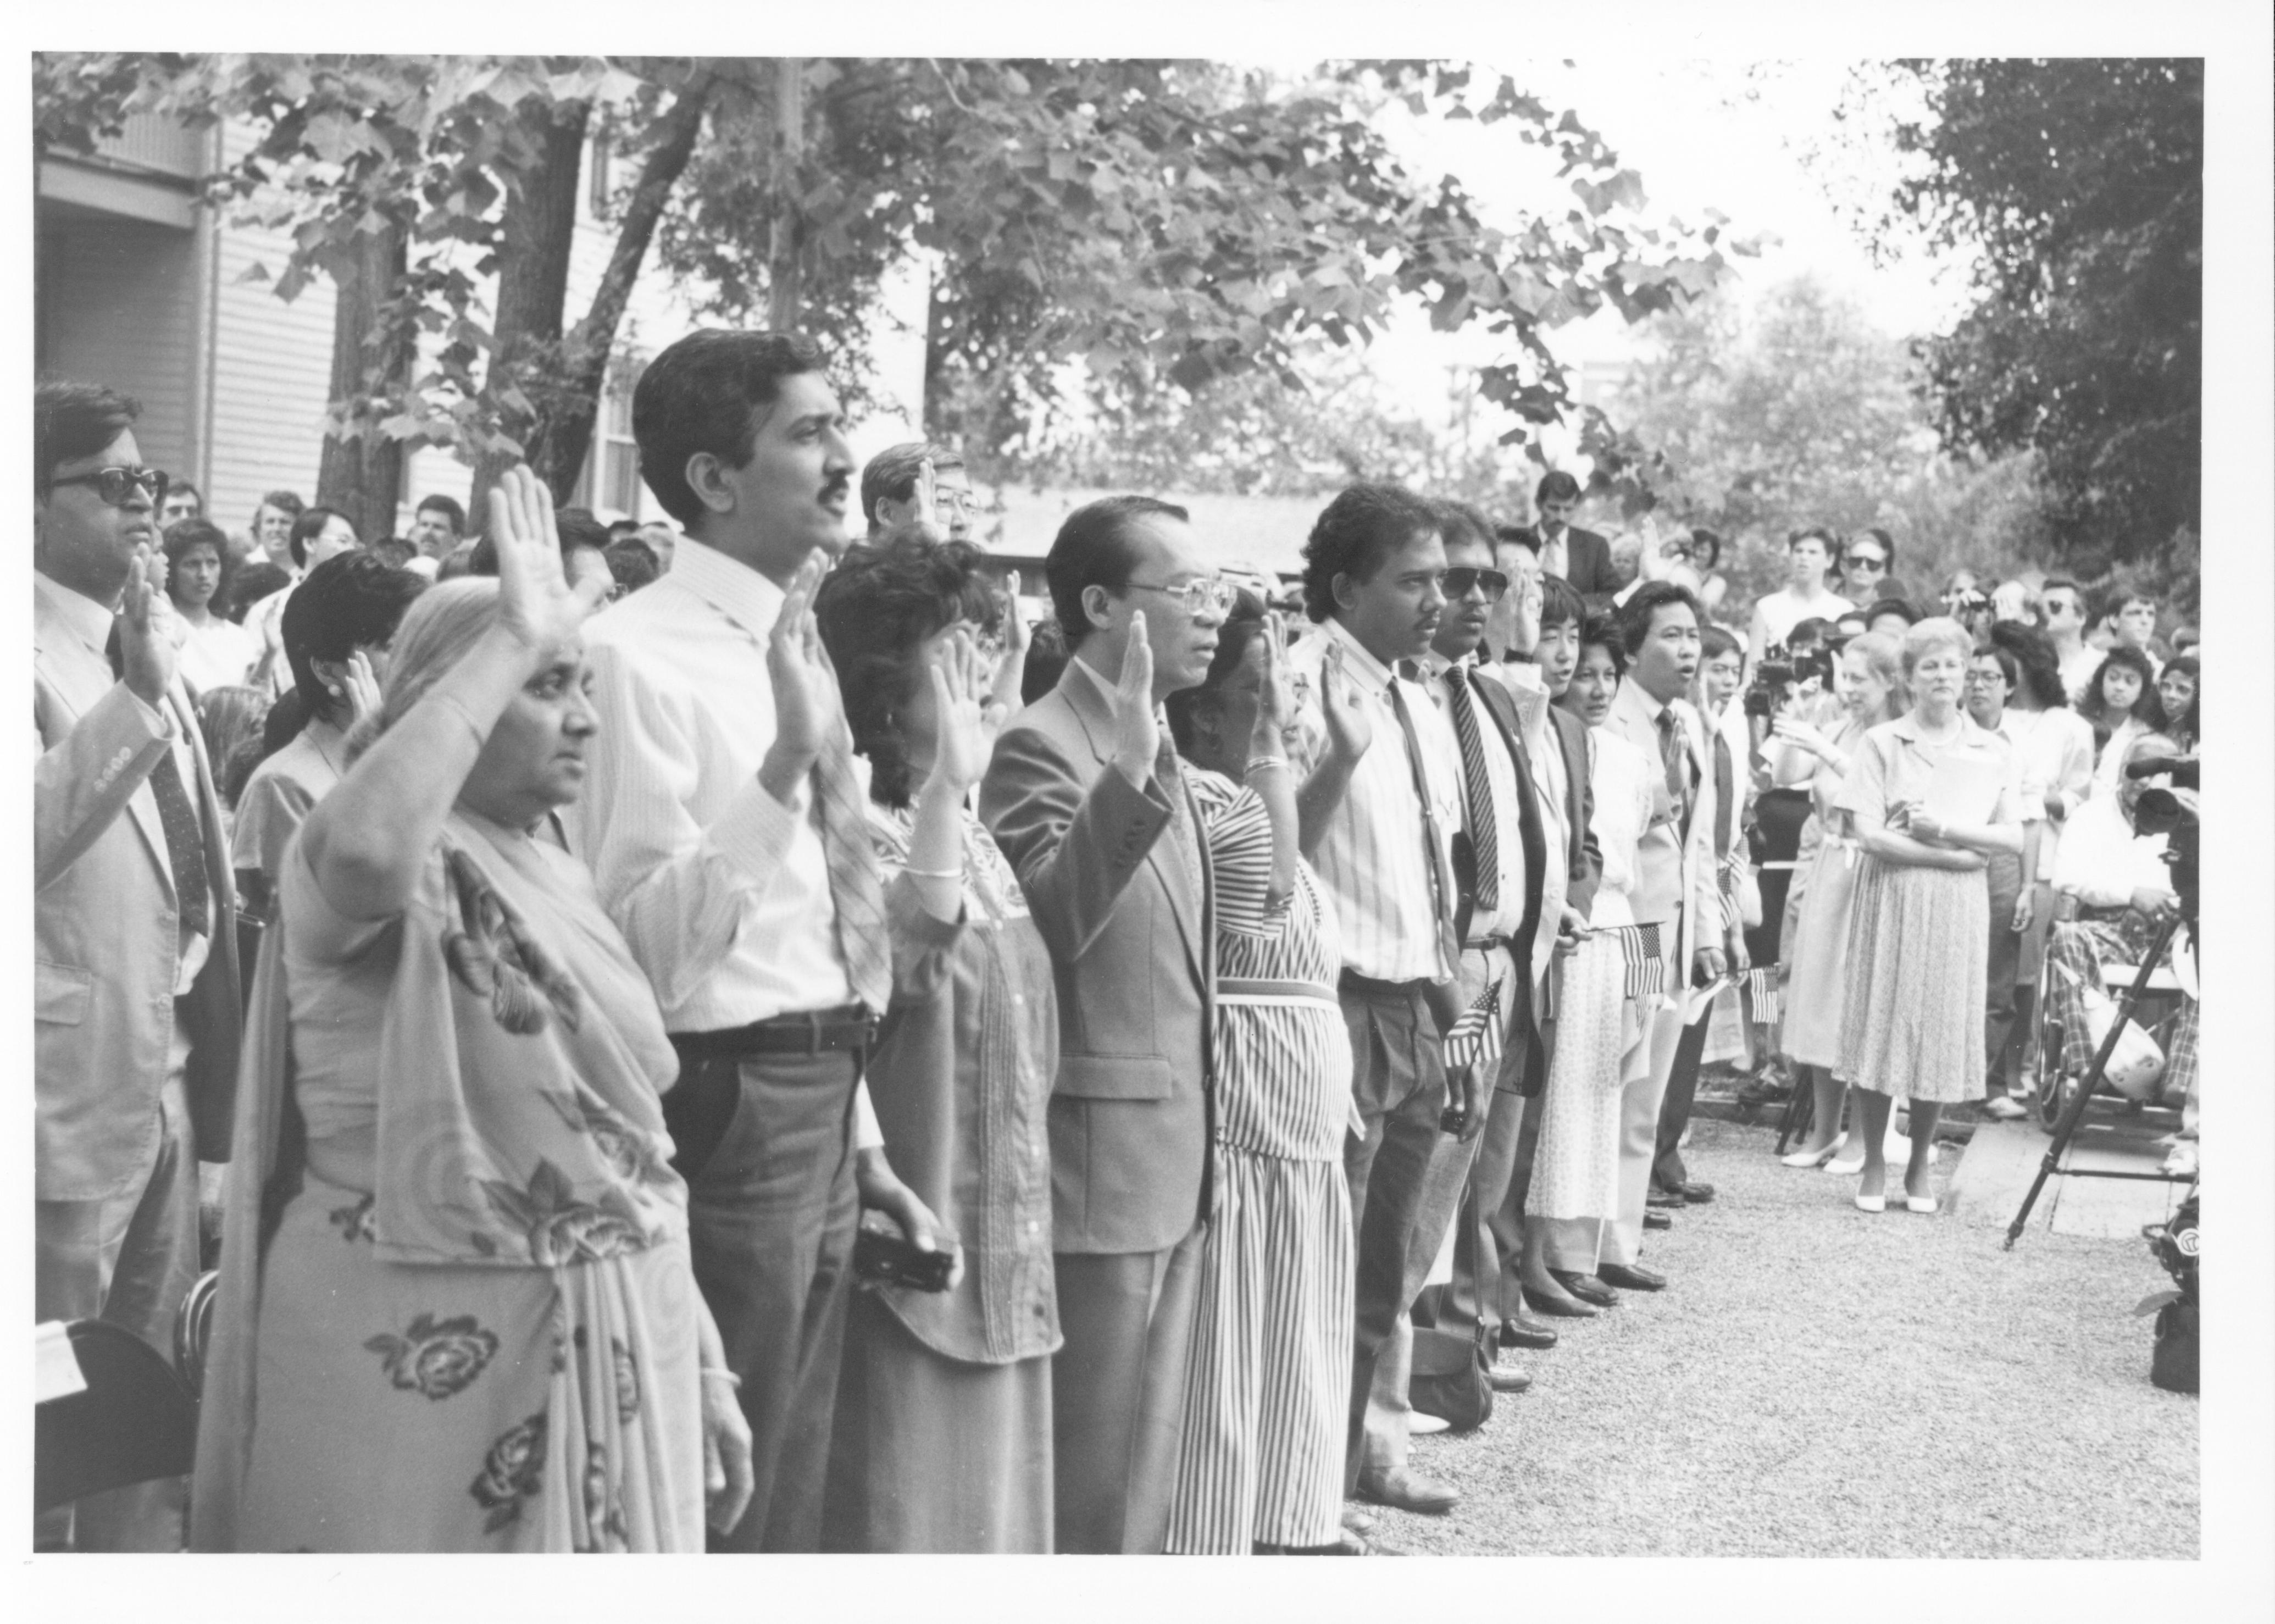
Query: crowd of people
x=701, y=1035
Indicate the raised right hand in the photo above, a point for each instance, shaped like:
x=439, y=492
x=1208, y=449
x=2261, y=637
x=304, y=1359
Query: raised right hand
x=1137, y=734
x=965, y=719
x=146, y=639
x=535, y=600
x=807, y=705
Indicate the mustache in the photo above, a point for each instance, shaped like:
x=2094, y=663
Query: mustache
x=837, y=486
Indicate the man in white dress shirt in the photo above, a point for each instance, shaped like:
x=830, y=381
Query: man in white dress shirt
x=726, y=834
x=1677, y=887
x=1372, y=573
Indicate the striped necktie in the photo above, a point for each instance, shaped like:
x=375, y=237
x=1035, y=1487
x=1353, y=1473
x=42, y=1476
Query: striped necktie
x=857, y=896
x=1484, y=828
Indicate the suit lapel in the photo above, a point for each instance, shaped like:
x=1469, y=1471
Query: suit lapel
x=79, y=676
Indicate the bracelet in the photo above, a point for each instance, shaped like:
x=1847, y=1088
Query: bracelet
x=719, y=1372
x=1257, y=763
x=932, y=874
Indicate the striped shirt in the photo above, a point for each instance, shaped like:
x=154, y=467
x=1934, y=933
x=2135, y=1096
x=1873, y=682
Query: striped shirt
x=1372, y=860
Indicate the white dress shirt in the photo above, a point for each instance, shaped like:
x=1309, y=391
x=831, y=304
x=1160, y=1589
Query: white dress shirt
x=2103, y=861
x=2056, y=752
x=266, y=620
x=721, y=891
x=1372, y=858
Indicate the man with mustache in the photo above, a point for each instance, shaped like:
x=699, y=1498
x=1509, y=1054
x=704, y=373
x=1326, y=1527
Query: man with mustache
x=1374, y=573
x=726, y=828
x=1086, y=797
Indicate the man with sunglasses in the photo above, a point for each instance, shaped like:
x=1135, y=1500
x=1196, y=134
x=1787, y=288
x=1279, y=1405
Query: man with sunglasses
x=1086, y=798
x=135, y=1001
x=1868, y=566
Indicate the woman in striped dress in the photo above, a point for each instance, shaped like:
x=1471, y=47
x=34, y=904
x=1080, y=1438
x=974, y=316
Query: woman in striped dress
x=1268, y=1377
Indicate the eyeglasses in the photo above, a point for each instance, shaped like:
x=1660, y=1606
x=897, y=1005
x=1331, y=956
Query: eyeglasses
x=1457, y=582
x=1202, y=595
x=1865, y=561
x=116, y=486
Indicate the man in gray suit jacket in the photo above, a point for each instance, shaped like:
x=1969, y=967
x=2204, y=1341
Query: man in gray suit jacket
x=1085, y=799
x=135, y=1004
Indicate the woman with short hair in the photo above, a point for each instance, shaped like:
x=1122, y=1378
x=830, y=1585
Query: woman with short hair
x=215, y=652
x=941, y=1440
x=1929, y=796
x=457, y=1309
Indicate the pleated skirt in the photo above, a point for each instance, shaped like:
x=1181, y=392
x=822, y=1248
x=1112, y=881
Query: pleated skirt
x=1912, y=1017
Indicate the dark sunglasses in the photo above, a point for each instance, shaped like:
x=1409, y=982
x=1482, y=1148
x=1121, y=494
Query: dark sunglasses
x=1455, y=583
x=1865, y=561
x=116, y=485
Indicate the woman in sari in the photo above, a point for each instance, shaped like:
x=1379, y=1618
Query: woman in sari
x=457, y=1312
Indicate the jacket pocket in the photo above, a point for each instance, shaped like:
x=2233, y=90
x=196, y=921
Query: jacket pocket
x=60, y=993
x=1114, y=1076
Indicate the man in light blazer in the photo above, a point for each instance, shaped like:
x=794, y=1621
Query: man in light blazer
x=135, y=1007
x=1676, y=888
x=1085, y=799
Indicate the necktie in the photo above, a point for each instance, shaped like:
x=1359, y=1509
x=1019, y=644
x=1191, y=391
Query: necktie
x=1484, y=828
x=1677, y=762
x=856, y=895
x=1433, y=856
x=185, y=844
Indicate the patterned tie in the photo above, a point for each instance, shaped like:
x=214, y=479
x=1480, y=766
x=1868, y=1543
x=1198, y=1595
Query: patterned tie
x=856, y=895
x=177, y=816
x=1676, y=761
x=1433, y=856
x=1485, y=829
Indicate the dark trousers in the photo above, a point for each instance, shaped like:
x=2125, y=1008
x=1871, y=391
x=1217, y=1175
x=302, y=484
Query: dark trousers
x=1489, y=1245
x=1117, y=1393
x=2002, y=966
x=766, y=1146
x=1668, y=1170
x=1398, y=1083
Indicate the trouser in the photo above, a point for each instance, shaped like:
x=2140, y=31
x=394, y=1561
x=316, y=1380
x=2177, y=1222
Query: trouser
x=766, y=1146
x=1641, y=1104
x=2003, y=966
x=129, y=1258
x=1666, y=1169
x=1398, y=1089
x=1444, y=1184
x=1117, y=1390
x=2081, y=946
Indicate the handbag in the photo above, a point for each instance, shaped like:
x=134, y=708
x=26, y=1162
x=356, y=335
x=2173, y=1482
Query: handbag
x=2136, y=1063
x=1448, y=1379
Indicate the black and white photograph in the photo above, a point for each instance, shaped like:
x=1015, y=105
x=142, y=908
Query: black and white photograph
x=1166, y=787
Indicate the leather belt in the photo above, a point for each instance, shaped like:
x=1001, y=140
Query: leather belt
x=1487, y=944
x=809, y=1032
x=1351, y=981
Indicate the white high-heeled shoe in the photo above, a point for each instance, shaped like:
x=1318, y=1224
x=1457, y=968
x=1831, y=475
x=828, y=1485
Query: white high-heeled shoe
x=1814, y=1159
x=1848, y=1166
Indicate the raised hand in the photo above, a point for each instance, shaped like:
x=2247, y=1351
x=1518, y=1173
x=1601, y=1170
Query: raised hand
x=1275, y=697
x=147, y=640
x=1793, y=730
x=808, y=708
x=535, y=600
x=362, y=686
x=966, y=720
x=1349, y=730
x=1011, y=666
x=1138, y=736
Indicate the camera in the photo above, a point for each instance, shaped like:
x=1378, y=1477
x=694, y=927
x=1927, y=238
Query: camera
x=2160, y=812
x=1779, y=671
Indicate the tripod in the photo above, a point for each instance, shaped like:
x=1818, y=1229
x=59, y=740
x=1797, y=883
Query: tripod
x=2074, y=1113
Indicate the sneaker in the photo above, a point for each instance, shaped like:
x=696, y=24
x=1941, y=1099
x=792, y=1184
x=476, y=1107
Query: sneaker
x=2004, y=1108
x=1422, y=1424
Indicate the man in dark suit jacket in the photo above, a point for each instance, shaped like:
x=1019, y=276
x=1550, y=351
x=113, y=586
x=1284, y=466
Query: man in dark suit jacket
x=1580, y=557
x=135, y=1006
x=1085, y=797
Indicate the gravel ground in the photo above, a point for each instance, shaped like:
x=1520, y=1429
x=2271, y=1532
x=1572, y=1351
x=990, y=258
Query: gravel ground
x=1818, y=1382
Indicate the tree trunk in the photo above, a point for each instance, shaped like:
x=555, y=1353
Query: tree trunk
x=785, y=274
x=361, y=471
x=535, y=239
x=584, y=356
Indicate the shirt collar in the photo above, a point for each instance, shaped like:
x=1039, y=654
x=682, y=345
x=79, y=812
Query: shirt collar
x=1106, y=690
x=1363, y=667
x=735, y=590
x=1907, y=727
x=89, y=621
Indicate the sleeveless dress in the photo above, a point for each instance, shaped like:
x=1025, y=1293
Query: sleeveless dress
x=1269, y=1368
x=1600, y=1031
x=1911, y=1021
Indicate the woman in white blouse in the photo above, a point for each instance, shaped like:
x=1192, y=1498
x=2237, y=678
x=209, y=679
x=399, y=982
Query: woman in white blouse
x=216, y=652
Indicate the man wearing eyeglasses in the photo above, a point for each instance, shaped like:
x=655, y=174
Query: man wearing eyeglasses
x=135, y=1004
x=889, y=489
x=1086, y=798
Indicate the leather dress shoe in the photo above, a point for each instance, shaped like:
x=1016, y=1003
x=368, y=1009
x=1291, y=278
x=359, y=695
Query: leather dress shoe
x=1654, y=1218
x=1408, y=1491
x=1358, y=1521
x=1559, y=1307
x=1523, y=1331
x=1633, y=1276
x=1507, y=1379
x=1692, y=1191
x=1663, y=1198
x=1587, y=1287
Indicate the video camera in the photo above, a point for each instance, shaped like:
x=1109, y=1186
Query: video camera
x=2161, y=811
x=1778, y=671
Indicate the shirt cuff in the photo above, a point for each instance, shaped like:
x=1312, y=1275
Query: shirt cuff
x=756, y=829
x=867, y=1136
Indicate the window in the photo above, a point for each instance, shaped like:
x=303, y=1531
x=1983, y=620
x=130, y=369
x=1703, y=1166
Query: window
x=616, y=454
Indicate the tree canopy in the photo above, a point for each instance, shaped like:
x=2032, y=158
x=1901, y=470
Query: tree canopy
x=2080, y=182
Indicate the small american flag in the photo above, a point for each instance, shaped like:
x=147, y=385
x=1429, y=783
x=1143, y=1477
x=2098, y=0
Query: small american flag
x=1646, y=971
x=1762, y=993
x=1475, y=1040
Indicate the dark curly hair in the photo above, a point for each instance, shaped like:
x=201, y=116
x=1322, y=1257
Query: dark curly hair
x=1354, y=534
x=1605, y=632
x=875, y=610
x=184, y=535
x=2147, y=710
x=2034, y=656
x=1242, y=626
